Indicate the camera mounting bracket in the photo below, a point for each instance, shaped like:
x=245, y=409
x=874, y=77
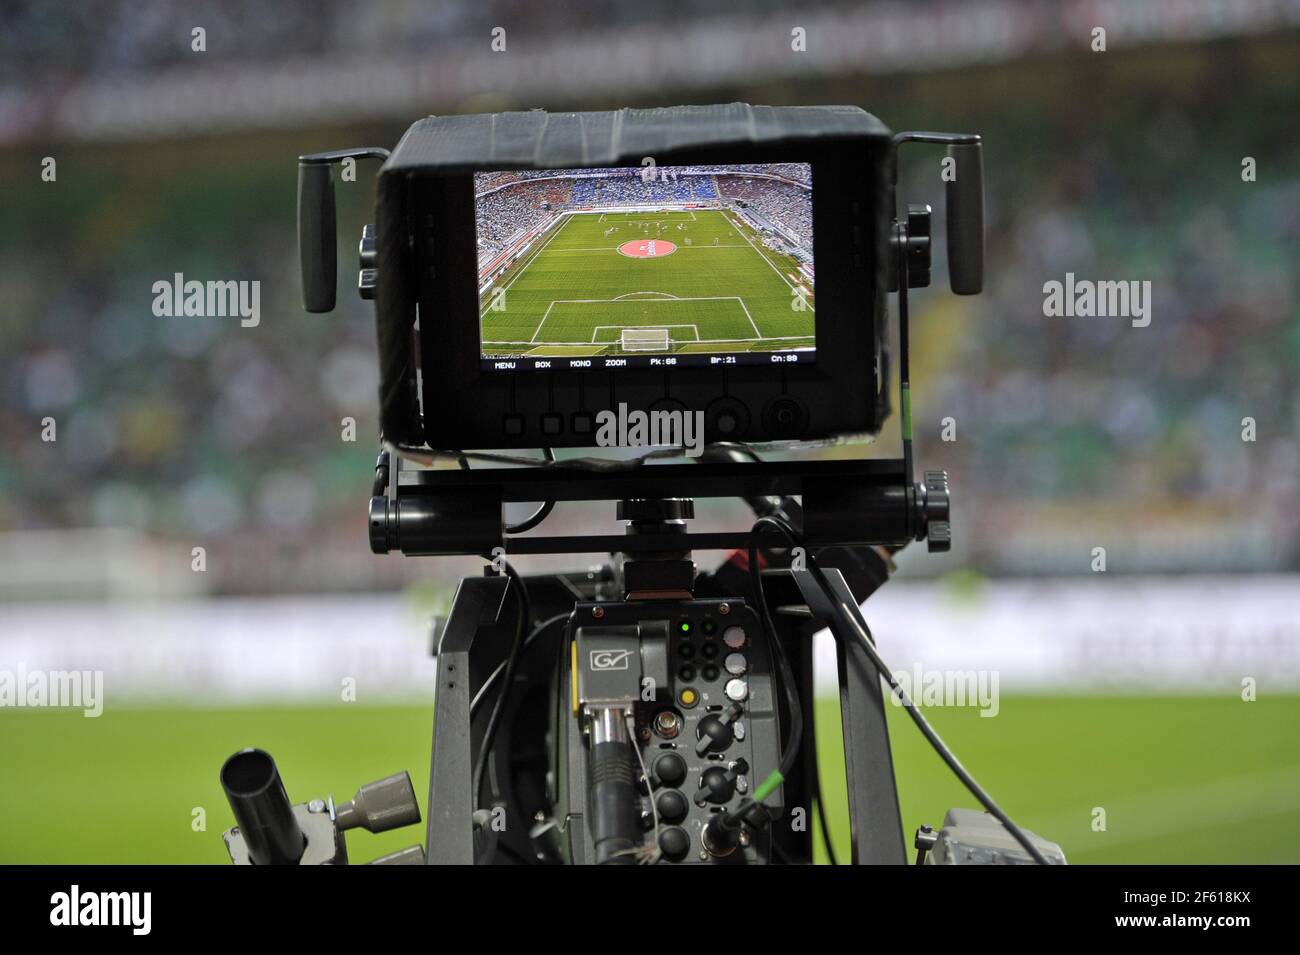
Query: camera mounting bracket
x=446, y=512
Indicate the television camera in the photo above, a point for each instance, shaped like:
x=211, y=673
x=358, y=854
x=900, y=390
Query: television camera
x=631, y=278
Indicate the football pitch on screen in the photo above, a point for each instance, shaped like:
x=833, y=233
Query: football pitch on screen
x=627, y=283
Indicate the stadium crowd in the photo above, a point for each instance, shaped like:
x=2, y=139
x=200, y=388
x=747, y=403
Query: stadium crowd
x=511, y=205
x=106, y=38
x=200, y=428
x=776, y=202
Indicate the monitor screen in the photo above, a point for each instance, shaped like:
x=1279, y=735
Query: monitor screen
x=645, y=266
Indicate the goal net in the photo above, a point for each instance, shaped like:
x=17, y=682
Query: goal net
x=645, y=339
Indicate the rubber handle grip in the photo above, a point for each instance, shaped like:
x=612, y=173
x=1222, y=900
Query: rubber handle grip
x=965, y=212
x=317, y=236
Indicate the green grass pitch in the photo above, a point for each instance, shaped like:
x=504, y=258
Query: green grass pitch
x=718, y=291
x=1181, y=779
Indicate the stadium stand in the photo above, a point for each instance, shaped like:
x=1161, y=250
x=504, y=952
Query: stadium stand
x=192, y=429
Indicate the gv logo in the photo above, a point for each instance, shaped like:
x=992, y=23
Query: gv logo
x=609, y=659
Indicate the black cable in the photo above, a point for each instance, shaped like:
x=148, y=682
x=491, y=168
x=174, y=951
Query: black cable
x=771, y=520
x=498, y=708
x=542, y=512
x=492, y=677
x=946, y=754
x=795, y=740
x=462, y=461
x=923, y=724
x=494, y=843
x=537, y=517
x=821, y=816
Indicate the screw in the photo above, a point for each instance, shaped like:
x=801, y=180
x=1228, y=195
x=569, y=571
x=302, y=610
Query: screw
x=598, y=612
x=316, y=805
x=724, y=608
x=744, y=837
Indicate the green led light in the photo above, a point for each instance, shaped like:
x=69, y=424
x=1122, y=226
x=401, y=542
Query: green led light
x=686, y=626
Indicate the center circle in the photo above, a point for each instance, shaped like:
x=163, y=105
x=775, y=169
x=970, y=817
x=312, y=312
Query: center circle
x=647, y=248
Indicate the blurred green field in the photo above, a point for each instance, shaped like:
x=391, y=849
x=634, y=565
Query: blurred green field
x=1193, y=779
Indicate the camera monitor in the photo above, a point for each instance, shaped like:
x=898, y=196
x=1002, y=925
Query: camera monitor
x=645, y=267
x=534, y=269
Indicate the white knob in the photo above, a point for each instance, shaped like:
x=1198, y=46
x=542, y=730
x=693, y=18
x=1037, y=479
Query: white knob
x=734, y=637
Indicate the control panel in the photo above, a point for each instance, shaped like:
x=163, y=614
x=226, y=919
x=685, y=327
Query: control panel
x=708, y=737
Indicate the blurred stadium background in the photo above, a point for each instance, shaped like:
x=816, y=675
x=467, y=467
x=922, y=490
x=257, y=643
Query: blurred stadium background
x=1120, y=689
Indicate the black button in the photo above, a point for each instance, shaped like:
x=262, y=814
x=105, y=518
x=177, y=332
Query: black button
x=686, y=672
x=710, y=650
x=513, y=424
x=583, y=422
x=672, y=806
x=710, y=673
x=686, y=651
x=784, y=418
x=552, y=423
x=674, y=843
x=727, y=418
x=716, y=786
x=670, y=769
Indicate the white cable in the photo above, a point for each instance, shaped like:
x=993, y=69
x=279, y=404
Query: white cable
x=654, y=810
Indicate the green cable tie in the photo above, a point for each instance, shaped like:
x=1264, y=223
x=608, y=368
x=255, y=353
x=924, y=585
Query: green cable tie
x=766, y=786
x=907, y=413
